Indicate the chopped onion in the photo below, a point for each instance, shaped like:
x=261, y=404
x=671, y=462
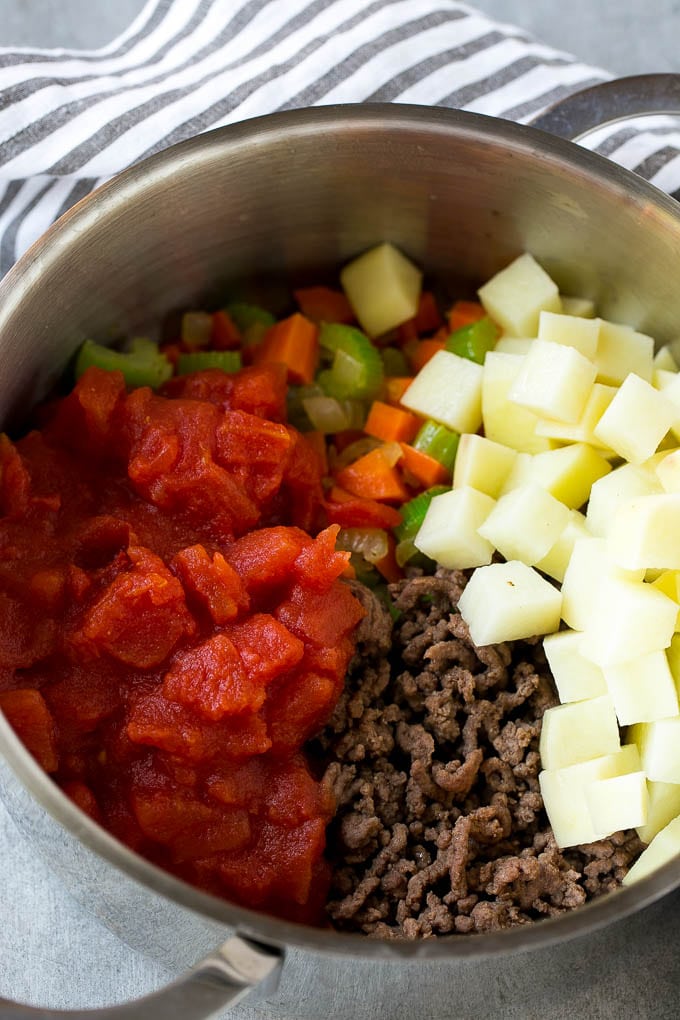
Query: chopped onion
x=326, y=414
x=371, y=543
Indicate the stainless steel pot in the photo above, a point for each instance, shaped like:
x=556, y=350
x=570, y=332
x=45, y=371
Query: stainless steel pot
x=279, y=198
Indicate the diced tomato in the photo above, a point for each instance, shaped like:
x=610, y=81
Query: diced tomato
x=224, y=335
x=27, y=712
x=212, y=583
x=264, y=558
x=267, y=648
x=323, y=304
x=211, y=679
x=321, y=619
x=319, y=564
x=351, y=511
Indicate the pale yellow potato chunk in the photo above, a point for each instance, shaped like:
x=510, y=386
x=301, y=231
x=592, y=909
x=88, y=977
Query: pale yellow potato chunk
x=583, y=430
x=636, y=421
x=664, y=848
x=643, y=689
x=587, y=569
x=629, y=619
x=504, y=421
x=620, y=351
x=578, y=731
x=556, y=560
x=611, y=491
x=664, y=359
x=555, y=381
x=645, y=533
x=449, y=390
x=663, y=806
x=659, y=745
x=514, y=344
x=576, y=678
x=383, y=288
x=449, y=533
x=515, y=297
x=525, y=524
x=508, y=602
x=620, y=802
x=569, y=472
x=582, y=307
x=570, y=330
x=482, y=464
x=668, y=471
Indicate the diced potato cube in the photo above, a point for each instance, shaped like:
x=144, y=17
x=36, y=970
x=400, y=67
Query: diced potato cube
x=663, y=805
x=645, y=532
x=629, y=619
x=582, y=307
x=620, y=351
x=521, y=473
x=525, y=524
x=449, y=390
x=668, y=383
x=582, y=431
x=608, y=493
x=515, y=297
x=673, y=650
x=664, y=848
x=555, y=381
x=620, y=802
x=570, y=330
x=664, y=359
x=588, y=567
x=505, y=422
x=449, y=533
x=482, y=464
x=383, y=288
x=564, y=796
x=668, y=471
x=514, y=344
x=576, y=678
x=508, y=602
x=578, y=731
x=642, y=689
x=636, y=421
x=556, y=560
x=569, y=472
x=659, y=745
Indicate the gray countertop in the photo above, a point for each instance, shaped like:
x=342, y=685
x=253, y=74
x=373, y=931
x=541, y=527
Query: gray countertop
x=53, y=952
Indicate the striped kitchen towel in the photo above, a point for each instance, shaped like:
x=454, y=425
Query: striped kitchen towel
x=70, y=119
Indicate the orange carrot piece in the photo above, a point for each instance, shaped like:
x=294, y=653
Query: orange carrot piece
x=373, y=477
x=426, y=319
x=295, y=342
x=426, y=349
x=350, y=511
x=391, y=423
x=224, y=334
x=423, y=468
x=396, y=386
x=388, y=566
x=323, y=304
x=463, y=313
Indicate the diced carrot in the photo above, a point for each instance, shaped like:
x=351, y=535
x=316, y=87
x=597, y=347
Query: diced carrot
x=391, y=423
x=425, y=469
x=463, y=313
x=396, y=386
x=426, y=349
x=294, y=342
x=373, y=476
x=323, y=304
x=225, y=335
x=317, y=441
x=388, y=566
x=426, y=319
x=350, y=511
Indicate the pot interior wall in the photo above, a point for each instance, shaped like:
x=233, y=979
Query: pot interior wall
x=253, y=209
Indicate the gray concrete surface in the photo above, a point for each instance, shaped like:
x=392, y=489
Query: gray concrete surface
x=50, y=947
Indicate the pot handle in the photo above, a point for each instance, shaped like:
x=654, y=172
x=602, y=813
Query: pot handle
x=610, y=101
x=222, y=979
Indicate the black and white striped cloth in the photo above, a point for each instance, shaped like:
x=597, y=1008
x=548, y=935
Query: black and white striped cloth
x=69, y=120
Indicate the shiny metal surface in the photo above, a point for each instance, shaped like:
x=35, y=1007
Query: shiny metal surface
x=611, y=101
x=258, y=207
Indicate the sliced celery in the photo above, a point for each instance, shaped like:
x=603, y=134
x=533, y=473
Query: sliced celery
x=474, y=341
x=413, y=514
x=439, y=442
x=357, y=369
x=199, y=361
x=143, y=366
x=245, y=315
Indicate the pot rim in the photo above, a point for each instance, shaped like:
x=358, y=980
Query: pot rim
x=284, y=127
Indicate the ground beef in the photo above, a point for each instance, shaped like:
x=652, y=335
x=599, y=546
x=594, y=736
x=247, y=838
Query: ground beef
x=433, y=757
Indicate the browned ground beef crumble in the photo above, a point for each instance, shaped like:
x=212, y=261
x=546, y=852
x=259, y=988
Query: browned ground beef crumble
x=433, y=752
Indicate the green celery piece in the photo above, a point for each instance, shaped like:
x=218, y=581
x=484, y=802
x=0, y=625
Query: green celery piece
x=357, y=369
x=246, y=315
x=413, y=512
x=140, y=367
x=394, y=361
x=439, y=442
x=474, y=341
x=199, y=361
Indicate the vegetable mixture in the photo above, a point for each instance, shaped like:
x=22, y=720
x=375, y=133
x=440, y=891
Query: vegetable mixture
x=192, y=538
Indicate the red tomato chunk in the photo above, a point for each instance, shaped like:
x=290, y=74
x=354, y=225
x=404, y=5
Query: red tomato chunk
x=171, y=631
